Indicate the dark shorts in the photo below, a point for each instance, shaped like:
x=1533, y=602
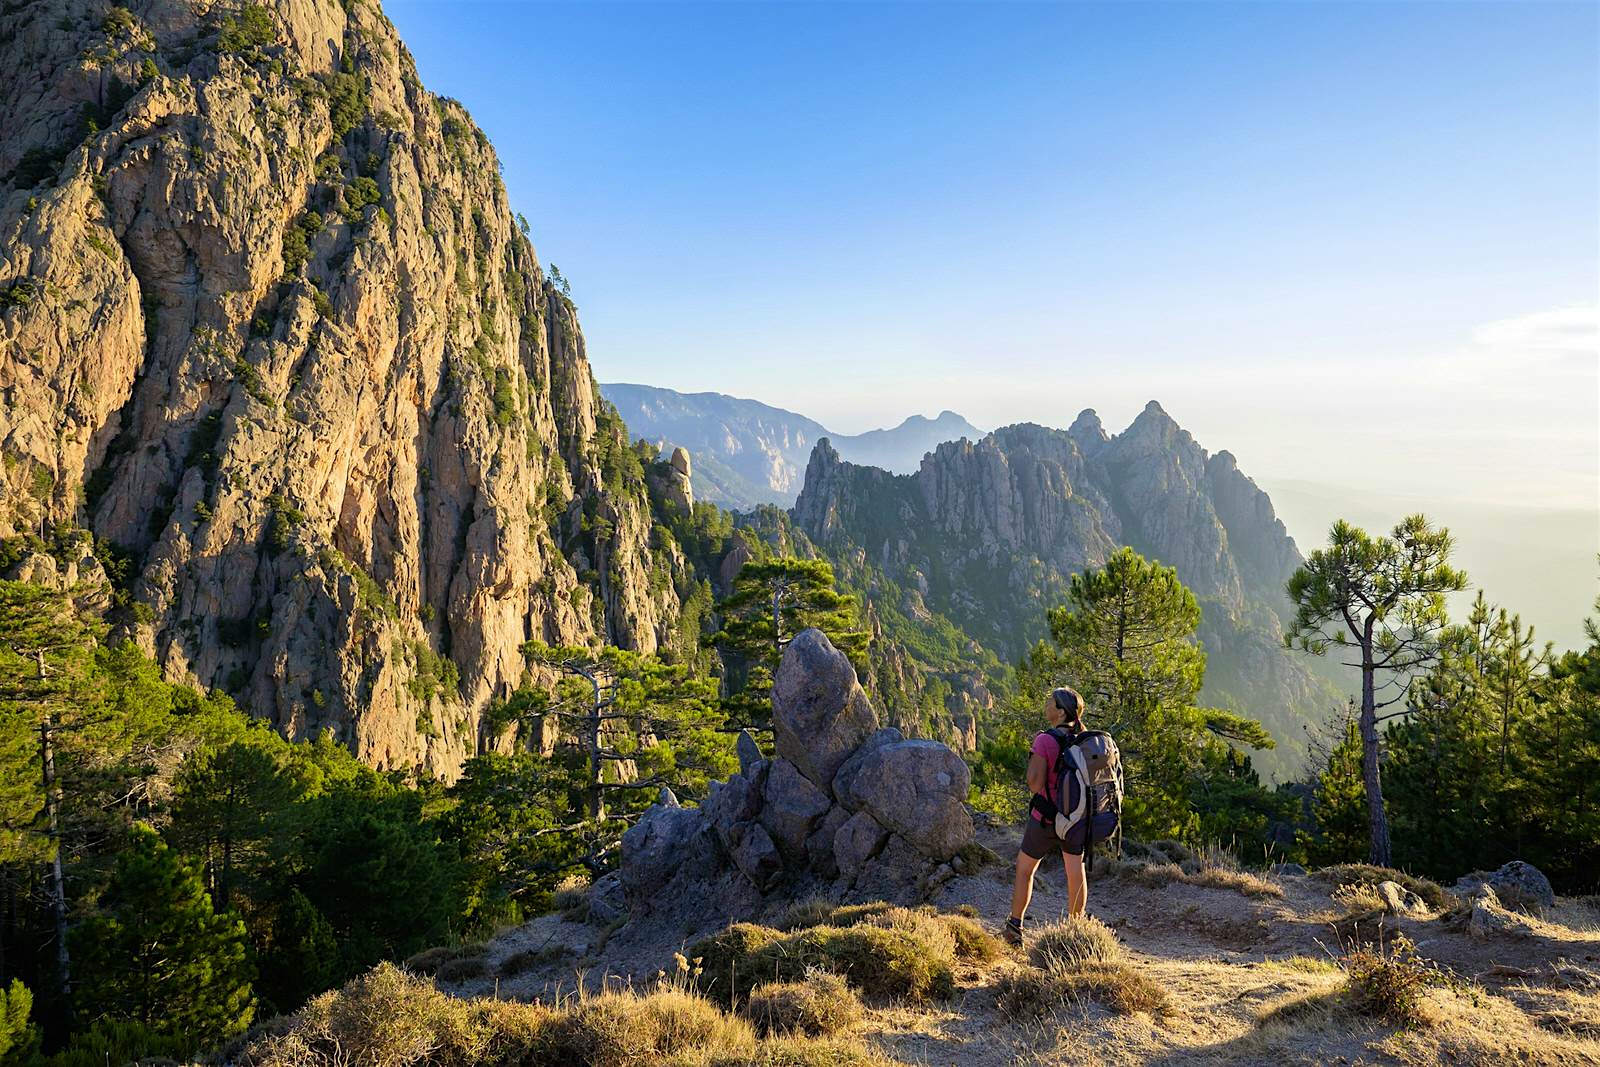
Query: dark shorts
x=1039, y=842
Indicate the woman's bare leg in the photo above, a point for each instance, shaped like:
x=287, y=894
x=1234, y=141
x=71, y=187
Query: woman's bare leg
x=1077, y=885
x=1022, y=892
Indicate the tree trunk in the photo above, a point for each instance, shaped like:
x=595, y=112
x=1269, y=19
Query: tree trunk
x=1377, y=819
x=58, y=881
x=597, y=802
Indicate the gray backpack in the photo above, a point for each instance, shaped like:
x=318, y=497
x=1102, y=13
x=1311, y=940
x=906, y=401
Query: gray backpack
x=1089, y=787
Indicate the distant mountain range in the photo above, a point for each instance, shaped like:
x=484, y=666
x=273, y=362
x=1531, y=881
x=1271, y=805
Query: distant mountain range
x=747, y=453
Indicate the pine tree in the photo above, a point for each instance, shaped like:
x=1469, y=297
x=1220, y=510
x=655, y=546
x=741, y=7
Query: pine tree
x=1338, y=806
x=223, y=807
x=19, y=1038
x=771, y=601
x=159, y=955
x=1384, y=599
x=1125, y=640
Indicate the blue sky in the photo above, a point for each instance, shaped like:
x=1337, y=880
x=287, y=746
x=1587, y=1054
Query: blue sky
x=1356, y=243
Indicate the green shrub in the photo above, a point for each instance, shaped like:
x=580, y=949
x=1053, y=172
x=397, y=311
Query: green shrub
x=820, y=1004
x=297, y=241
x=1390, y=981
x=357, y=195
x=347, y=96
x=248, y=31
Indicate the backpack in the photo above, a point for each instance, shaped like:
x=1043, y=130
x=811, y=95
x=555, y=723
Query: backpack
x=1088, y=788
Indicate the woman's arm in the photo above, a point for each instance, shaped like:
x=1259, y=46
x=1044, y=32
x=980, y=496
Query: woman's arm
x=1037, y=772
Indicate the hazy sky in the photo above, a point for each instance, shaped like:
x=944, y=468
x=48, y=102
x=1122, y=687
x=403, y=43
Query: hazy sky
x=1352, y=243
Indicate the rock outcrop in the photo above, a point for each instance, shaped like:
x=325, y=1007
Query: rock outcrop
x=856, y=808
x=1516, y=884
x=270, y=331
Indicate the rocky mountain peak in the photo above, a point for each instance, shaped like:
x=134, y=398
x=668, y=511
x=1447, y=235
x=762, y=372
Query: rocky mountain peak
x=271, y=332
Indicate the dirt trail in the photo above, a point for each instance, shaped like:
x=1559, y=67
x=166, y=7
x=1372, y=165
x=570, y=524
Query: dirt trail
x=1251, y=978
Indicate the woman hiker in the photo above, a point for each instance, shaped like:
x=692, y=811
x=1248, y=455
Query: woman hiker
x=1063, y=709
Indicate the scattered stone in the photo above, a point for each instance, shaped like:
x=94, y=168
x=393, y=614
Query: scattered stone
x=749, y=752
x=820, y=714
x=1486, y=917
x=1398, y=900
x=1517, y=885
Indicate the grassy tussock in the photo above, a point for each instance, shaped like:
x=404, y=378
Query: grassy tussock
x=1075, y=961
x=820, y=1005
x=394, y=1019
x=430, y=961
x=884, y=952
x=962, y=929
x=1065, y=945
x=1029, y=993
x=1365, y=874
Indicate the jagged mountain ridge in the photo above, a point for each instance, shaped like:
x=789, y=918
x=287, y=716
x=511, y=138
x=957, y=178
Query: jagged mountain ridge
x=747, y=453
x=987, y=535
x=269, y=330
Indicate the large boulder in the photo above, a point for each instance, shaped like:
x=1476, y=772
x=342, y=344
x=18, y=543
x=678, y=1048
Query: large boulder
x=916, y=789
x=852, y=766
x=896, y=874
x=792, y=807
x=1517, y=885
x=666, y=839
x=729, y=804
x=608, y=900
x=754, y=853
x=857, y=841
x=820, y=714
x=819, y=846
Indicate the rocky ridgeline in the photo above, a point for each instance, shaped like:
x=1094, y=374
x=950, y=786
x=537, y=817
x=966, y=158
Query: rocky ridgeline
x=844, y=804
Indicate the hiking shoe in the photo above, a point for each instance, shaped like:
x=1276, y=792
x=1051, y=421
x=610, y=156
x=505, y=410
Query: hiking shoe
x=1012, y=932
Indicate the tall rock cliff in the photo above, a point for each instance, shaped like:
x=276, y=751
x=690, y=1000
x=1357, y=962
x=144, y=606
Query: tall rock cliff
x=269, y=330
x=985, y=537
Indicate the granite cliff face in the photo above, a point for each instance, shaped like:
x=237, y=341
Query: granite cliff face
x=987, y=535
x=269, y=330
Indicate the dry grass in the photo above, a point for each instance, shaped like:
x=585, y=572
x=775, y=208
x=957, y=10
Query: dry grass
x=1063, y=946
x=819, y=1005
x=1075, y=961
x=1347, y=874
x=433, y=960
x=389, y=1018
x=572, y=897
x=1029, y=993
x=888, y=953
x=1165, y=862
